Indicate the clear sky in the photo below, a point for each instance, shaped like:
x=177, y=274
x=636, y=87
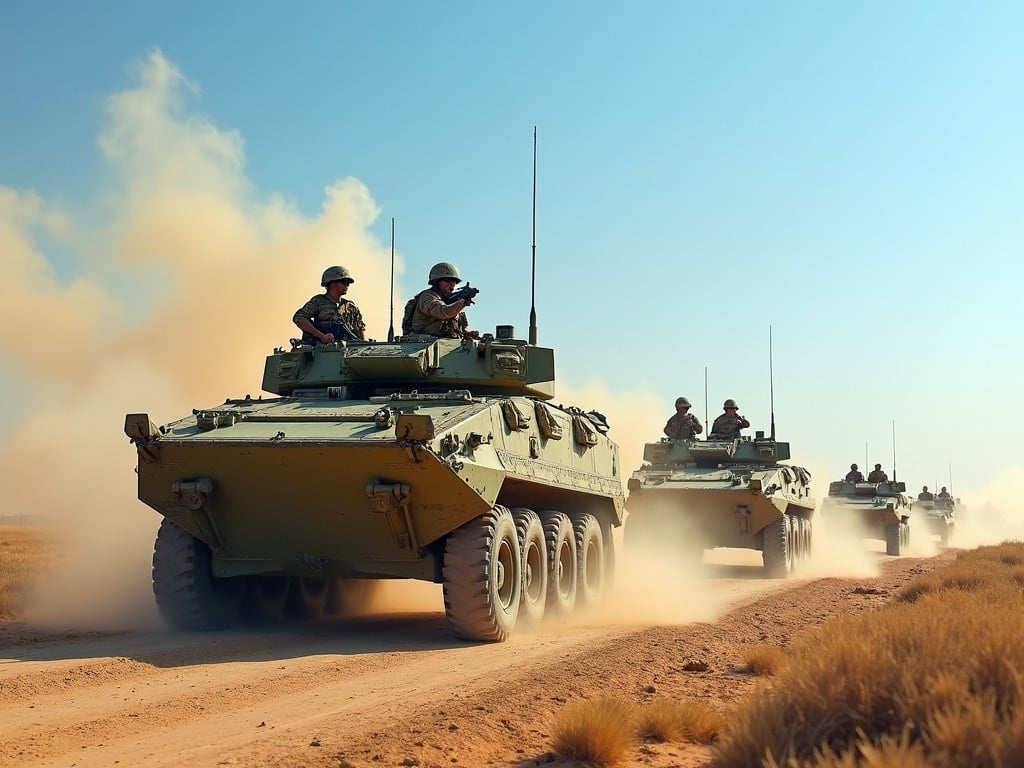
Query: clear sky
x=175, y=176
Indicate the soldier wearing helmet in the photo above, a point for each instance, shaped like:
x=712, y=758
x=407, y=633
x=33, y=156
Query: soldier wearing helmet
x=925, y=495
x=683, y=425
x=728, y=425
x=854, y=475
x=329, y=316
x=433, y=312
x=876, y=475
x=943, y=493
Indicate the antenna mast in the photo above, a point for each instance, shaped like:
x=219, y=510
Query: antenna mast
x=391, y=327
x=894, y=450
x=771, y=381
x=707, y=424
x=533, y=261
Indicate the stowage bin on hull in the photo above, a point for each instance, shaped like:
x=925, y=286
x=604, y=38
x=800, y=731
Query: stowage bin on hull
x=432, y=459
x=690, y=494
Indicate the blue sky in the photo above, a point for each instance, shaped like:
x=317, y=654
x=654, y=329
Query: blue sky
x=851, y=175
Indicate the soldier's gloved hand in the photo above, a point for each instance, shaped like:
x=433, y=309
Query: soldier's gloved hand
x=328, y=338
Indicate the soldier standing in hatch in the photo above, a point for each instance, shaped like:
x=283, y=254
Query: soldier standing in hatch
x=433, y=315
x=329, y=316
x=943, y=493
x=876, y=475
x=728, y=425
x=683, y=425
x=854, y=475
x=925, y=495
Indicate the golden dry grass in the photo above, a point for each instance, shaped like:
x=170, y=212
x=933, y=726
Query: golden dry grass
x=26, y=553
x=668, y=720
x=936, y=678
x=597, y=732
x=763, y=659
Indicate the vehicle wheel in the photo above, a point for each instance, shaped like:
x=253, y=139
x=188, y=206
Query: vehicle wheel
x=535, y=565
x=777, y=552
x=894, y=539
x=561, y=545
x=307, y=597
x=187, y=594
x=590, y=562
x=482, y=576
x=265, y=597
x=905, y=533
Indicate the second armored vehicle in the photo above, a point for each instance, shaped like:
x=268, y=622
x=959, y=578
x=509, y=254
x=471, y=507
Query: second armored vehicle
x=424, y=458
x=692, y=494
x=872, y=508
x=939, y=517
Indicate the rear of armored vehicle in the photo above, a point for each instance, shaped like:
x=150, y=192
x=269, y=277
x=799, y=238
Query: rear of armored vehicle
x=429, y=459
x=872, y=510
x=692, y=495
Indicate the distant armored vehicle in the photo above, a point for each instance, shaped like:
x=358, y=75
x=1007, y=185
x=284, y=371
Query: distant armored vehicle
x=879, y=510
x=434, y=459
x=692, y=494
x=939, y=517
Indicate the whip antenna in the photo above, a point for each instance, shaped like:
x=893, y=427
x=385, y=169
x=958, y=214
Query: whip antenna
x=533, y=262
x=391, y=328
x=706, y=422
x=894, y=450
x=771, y=381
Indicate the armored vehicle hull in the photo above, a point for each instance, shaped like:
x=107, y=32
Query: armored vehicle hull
x=380, y=461
x=939, y=518
x=691, y=495
x=875, y=510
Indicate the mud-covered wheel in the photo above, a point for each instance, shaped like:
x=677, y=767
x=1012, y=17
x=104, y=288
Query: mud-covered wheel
x=482, y=577
x=307, y=597
x=265, y=597
x=905, y=534
x=535, y=565
x=187, y=594
x=894, y=539
x=561, y=545
x=590, y=562
x=778, y=549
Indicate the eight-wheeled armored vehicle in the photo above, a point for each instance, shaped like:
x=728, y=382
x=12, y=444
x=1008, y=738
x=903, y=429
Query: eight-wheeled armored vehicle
x=424, y=458
x=878, y=510
x=939, y=517
x=691, y=494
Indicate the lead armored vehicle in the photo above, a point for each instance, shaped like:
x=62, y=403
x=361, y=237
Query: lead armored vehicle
x=875, y=510
x=690, y=495
x=442, y=460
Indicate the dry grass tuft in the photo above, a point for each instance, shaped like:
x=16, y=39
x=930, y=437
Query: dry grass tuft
x=596, y=732
x=667, y=720
x=945, y=657
x=763, y=659
x=26, y=553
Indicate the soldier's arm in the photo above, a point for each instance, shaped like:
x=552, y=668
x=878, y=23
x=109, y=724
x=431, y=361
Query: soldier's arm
x=695, y=425
x=303, y=318
x=433, y=306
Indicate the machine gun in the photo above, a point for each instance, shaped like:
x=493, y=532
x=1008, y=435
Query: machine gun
x=341, y=332
x=466, y=293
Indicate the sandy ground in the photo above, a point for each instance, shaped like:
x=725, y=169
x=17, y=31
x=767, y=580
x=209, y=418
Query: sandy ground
x=390, y=690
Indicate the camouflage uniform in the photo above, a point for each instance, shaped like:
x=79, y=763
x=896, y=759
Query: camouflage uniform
x=877, y=476
x=683, y=426
x=432, y=316
x=727, y=426
x=944, y=494
x=323, y=309
x=925, y=495
x=855, y=476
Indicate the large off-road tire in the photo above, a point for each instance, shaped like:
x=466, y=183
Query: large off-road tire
x=535, y=565
x=483, y=577
x=307, y=597
x=590, y=562
x=778, y=548
x=905, y=533
x=265, y=597
x=894, y=539
x=561, y=544
x=187, y=594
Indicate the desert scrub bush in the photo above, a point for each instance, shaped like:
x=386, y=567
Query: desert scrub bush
x=26, y=553
x=667, y=720
x=597, y=732
x=939, y=678
x=763, y=659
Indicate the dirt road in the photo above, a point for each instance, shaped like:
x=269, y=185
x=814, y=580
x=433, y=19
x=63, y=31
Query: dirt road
x=388, y=690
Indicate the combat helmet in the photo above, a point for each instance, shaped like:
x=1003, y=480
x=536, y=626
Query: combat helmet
x=336, y=273
x=682, y=401
x=444, y=269
x=730, y=403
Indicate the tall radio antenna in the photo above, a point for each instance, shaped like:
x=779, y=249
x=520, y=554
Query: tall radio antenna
x=533, y=261
x=771, y=381
x=894, y=450
x=391, y=328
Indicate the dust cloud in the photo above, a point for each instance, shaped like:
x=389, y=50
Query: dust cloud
x=165, y=297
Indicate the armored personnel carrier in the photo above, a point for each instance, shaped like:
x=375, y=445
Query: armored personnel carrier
x=690, y=495
x=939, y=517
x=875, y=509
x=424, y=458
